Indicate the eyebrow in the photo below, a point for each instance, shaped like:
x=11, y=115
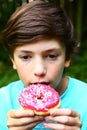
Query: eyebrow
x=48, y=50
x=53, y=49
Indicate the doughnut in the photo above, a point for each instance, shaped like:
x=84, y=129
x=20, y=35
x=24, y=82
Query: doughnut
x=40, y=98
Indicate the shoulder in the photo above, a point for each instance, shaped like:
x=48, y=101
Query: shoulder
x=13, y=85
x=9, y=93
x=77, y=83
x=11, y=89
x=77, y=87
x=9, y=99
x=75, y=95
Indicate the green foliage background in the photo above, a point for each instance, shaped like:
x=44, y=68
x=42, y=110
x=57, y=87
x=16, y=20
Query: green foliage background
x=77, y=11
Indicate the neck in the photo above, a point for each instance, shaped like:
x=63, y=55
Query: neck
x=62, y=86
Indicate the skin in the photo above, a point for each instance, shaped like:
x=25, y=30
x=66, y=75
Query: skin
x=35, y=63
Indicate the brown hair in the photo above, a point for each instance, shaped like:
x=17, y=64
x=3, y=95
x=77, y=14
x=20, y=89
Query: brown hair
x=35, y=20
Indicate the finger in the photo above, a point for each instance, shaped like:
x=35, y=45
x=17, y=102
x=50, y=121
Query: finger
x=24, y=127
x=20, y=113
x=22, y=121
x=67, y=120
x=63, y=111
x=58, y=126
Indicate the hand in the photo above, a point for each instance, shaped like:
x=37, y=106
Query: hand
x=65, y=119
x=22, y=119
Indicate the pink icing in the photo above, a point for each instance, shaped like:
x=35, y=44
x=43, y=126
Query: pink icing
x=39, y=97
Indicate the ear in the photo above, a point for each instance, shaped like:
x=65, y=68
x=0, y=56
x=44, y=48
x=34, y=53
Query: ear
x=13, y=62
x=67, y=63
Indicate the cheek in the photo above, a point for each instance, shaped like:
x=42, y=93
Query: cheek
x=25, y=74
x=22, y=73
x=56, y=71
x=57, y=76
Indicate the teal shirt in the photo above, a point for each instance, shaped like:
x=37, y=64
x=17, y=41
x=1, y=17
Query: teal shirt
x=75, y=97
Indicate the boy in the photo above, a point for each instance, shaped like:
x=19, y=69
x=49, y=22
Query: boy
x=40, y=42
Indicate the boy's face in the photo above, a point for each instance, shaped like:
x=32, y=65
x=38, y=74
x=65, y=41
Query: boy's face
x=40, y=62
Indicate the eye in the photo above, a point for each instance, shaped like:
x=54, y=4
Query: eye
x=52, y=56
x=25, y=57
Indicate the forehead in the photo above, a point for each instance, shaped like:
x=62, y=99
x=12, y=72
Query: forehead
x=42, y=45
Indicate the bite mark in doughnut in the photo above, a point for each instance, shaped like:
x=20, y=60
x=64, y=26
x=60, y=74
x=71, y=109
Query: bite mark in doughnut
x=40, y=98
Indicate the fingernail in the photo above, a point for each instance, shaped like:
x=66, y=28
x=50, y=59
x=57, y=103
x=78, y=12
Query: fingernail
x=45, y=125
x=53, y=112
x=47, y=118
x=41, y=117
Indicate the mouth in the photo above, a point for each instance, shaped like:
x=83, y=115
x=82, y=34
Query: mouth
x=45, y=83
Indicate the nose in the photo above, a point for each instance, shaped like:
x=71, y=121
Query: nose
x=39, y=68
